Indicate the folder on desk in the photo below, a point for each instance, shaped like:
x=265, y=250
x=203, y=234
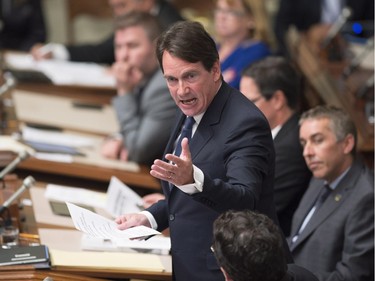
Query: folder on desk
x=105, y=261
x=25, y=255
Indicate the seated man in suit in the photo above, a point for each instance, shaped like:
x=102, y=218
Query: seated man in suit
x=273, y=85
x=248, y=247
x=144, y=108
x=103, y=52
x=333, y=227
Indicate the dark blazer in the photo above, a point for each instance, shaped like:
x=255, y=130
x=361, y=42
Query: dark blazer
x=233, y=147
x=104, y=52
x=22, y=26
x=305, y=13
x=338, y=241
x=298, y=273
x=291, y=173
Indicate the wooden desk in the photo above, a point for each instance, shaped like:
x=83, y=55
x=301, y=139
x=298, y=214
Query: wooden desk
x=69, y=240
x=141, y=179
x=80, y=171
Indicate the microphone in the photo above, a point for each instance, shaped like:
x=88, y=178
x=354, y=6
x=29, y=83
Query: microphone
x=336, y=26
x=27, y=183
x=10, y=82
x=359, y=58
x=22, y=155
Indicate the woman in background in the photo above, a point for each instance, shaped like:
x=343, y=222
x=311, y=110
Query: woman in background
x=241, y=33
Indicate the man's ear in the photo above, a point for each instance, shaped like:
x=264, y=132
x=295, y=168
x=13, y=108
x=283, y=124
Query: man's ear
x=349, y=143
x=279, y=99
x=216, y=71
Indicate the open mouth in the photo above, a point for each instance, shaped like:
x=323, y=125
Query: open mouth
x=189, y=101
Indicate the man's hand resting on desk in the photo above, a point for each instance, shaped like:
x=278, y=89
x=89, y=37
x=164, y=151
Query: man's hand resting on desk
x=40, y=52
x=130, y=220
x=112, y=148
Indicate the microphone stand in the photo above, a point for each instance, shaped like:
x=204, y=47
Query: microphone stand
x=22, y=155
x=26, y=184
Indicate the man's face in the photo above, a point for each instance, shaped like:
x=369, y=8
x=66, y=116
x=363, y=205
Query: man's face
x=250, y=89
x=121, y=7
x=190, y=84
x=324, y=154
x=133, y=46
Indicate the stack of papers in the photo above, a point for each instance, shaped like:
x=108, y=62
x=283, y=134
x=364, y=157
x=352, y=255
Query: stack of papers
x=63, y=72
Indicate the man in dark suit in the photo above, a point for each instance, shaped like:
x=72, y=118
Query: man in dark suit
x=227, y=164
x=333, y=235
x=103, y=52
x=21, y=24
x=249, y=247
x=274, y=87
x=304, y=14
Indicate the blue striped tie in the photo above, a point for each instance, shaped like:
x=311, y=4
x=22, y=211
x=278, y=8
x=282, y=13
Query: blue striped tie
x=185, y=133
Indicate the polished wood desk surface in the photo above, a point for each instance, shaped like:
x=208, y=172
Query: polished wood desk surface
x=141, y=179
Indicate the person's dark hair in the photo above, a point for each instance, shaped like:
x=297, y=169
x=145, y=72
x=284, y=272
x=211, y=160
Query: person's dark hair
x=249, y=246
x=276, y=73
x=137, y=18
x=340, y=122
x=190, y=42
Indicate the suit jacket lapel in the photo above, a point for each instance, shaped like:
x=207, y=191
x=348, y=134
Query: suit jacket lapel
x=333, y=201
x=211, y=117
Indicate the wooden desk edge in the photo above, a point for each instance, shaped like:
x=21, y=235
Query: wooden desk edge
x=140, y=179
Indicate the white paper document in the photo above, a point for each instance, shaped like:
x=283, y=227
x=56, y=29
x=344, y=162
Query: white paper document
x=121, y=199
x=99, y=226
x=158, y=244
x=64, y=72
x=75, y=195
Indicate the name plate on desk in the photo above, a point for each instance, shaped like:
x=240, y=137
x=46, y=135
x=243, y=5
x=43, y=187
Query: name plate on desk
x=64, y=113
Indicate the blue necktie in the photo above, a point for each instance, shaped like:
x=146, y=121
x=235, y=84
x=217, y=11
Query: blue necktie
x=185, y=133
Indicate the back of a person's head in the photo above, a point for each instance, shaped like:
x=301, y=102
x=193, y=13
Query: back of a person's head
x=276, y=73
x=143, y=19
x=189, y=41
x=249, y=247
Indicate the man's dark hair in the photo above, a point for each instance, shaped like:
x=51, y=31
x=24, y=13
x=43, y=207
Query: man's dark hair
x=190, y=42
x=249, y=246
x=276, y=73
x=137, y=18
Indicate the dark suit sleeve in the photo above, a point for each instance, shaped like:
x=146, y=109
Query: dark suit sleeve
x=102, y=52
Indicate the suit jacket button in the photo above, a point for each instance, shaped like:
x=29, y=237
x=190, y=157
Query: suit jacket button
x=171, y=217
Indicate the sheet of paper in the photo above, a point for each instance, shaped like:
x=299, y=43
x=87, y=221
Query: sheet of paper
x=121, y=199
x=75, y=195
x=55, y=157
x=158, y=244
x=56, y=137
x=63, y=72
x=8, y=143
x=99, y=226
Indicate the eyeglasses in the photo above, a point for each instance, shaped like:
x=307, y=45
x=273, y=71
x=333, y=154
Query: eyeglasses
x=229, y=12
